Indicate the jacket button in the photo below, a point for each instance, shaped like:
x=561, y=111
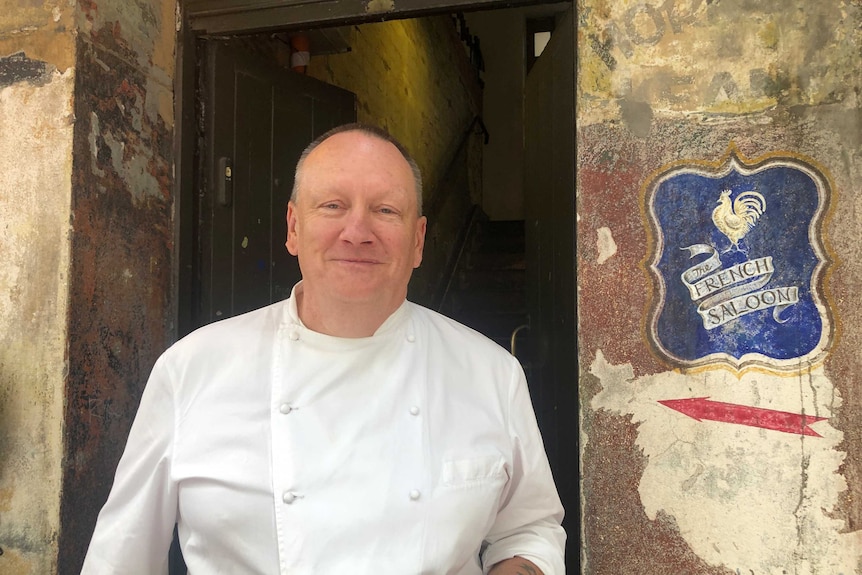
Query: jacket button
x=414, y=495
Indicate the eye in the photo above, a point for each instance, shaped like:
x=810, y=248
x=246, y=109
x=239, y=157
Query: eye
x=331, y=206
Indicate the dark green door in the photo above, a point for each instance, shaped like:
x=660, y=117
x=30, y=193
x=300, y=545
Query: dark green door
x=258, y=117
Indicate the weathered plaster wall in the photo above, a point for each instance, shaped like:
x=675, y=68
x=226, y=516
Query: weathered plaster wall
x=120, y=278
x=661, y=84
x=36, y=124
x=412, y=77
x=44, y=30
x=35, y=193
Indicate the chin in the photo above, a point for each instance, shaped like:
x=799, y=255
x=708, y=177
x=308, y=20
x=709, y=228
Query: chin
x=351, y=292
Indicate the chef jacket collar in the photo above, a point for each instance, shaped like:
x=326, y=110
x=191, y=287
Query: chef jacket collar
x=392, y=323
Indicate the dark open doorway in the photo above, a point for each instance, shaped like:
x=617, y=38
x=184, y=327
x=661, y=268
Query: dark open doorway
x=201, y=164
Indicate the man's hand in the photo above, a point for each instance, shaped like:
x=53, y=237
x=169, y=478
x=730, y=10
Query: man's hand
x=515, y=566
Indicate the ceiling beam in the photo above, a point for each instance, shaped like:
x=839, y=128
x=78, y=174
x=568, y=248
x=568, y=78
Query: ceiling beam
x=247, y=16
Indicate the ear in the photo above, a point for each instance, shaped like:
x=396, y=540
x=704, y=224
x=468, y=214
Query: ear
x=292, y=241
x=419, y=247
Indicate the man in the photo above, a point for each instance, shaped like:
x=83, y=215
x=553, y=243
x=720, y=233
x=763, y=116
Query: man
x=344, y=430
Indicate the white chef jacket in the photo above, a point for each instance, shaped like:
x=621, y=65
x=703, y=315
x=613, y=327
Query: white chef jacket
x=278, y=449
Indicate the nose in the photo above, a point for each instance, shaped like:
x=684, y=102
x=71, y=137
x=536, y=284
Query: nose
x=357, y=227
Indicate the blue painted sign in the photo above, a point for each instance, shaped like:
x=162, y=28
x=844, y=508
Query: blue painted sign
x=738, y=263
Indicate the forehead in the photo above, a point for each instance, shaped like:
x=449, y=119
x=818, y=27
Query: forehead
x=357, y=158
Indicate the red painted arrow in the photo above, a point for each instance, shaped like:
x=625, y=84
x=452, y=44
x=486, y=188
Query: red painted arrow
x=701, y=408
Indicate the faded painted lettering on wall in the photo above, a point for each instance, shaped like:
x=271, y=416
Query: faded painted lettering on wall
x=738, y=262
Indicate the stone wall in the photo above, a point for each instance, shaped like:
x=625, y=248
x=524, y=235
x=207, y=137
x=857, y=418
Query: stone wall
x=720, y=406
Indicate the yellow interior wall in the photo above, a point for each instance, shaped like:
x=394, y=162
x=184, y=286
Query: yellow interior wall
x=408, y=78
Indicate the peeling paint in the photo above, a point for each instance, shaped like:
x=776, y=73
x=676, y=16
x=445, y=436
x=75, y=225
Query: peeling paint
x=606, y=245
x=637, y=116
x=743, y=498
x=121, y=265
x=20, y=68
x=133, y=167
x=627, y=512
x=144, y=33
x=750, y=488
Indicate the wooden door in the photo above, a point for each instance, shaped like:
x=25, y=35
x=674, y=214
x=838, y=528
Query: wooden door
x=258, y=118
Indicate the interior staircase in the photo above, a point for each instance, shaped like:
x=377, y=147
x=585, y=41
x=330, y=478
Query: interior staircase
x=487, y=292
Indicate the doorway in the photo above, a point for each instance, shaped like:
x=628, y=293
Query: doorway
x=224, y=35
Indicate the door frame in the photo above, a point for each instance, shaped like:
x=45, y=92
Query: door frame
x=246, y=16
x=199, y=19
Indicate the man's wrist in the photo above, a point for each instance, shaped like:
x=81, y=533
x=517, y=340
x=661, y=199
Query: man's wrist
x=515, y=566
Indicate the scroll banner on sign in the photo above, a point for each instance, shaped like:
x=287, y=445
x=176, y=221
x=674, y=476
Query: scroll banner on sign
x=726, y=294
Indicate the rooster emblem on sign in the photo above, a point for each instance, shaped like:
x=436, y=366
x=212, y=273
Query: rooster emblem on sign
x=736, y=220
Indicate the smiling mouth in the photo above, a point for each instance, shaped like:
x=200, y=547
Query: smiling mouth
x=357, y=261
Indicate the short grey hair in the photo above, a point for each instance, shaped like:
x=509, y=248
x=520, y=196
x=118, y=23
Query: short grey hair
x=368, y=130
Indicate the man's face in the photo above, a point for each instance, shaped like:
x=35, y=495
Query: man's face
x=354, y=225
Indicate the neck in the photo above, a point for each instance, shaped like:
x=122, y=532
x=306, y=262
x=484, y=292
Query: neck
x=342, y=319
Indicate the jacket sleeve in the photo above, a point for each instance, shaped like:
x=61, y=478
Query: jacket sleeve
x=529, y=518
x=134, y=529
